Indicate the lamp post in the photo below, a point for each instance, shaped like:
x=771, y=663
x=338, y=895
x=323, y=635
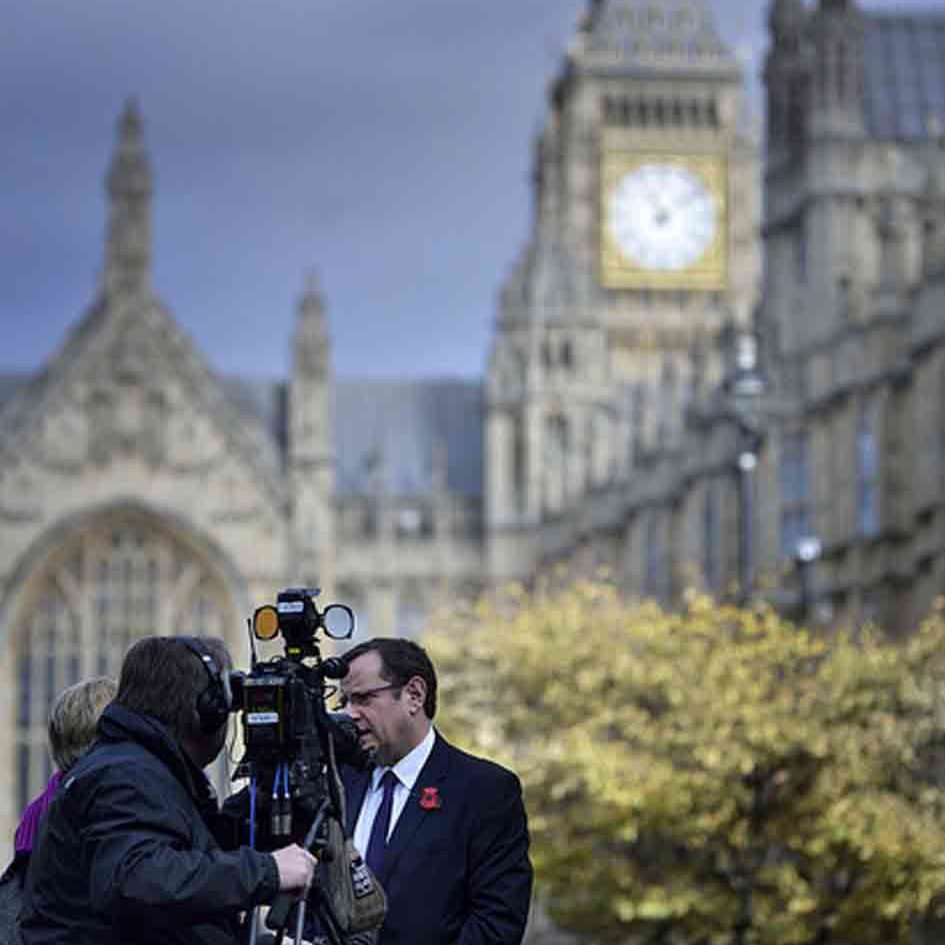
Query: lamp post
x=747, y=463
x=743, y=387
x=806, y=552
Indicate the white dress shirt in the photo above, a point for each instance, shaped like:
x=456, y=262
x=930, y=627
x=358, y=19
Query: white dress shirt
x=407, y=770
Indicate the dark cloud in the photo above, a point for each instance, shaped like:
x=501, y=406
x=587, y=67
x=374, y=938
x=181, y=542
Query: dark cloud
x=385, y=143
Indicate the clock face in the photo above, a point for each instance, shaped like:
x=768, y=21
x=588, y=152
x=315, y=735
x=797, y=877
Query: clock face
x=662, y=217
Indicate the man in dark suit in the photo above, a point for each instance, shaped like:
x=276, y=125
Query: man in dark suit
x=444, y=832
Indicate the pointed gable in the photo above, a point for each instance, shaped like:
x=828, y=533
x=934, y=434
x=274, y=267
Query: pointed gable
x=127, y=383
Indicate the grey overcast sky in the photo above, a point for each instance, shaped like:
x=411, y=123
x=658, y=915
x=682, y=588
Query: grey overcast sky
x=385, y=143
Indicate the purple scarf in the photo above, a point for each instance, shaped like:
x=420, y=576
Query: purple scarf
x=33, y=815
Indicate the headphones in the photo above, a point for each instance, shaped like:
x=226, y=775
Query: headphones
x=214, y=703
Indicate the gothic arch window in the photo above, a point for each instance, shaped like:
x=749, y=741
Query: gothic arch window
x=412, y=610
x=794, y=489
x=654, y=575
x=567, y=356
x=557, y=448
x=941, y=435
x=355, y=596
x=867, y=471
x=841, y=75
x=801, y=252
x=599, y=446
x=796, y=112
x=47, y=662
x=93, y=597
x=712, y=539
x=519, y=464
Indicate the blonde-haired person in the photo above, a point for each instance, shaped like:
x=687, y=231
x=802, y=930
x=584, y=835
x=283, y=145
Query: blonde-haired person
x=73, y=722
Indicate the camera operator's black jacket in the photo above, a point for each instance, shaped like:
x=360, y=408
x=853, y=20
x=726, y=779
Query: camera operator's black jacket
x=128, y=854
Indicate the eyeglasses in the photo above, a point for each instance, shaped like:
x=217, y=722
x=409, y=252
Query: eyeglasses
x=361, y=699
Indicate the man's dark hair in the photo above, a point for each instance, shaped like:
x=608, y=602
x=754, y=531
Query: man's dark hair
x=401, y=660
x=162, y=677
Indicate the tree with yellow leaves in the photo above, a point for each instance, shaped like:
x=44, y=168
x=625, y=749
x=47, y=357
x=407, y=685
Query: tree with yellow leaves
x=716, y=776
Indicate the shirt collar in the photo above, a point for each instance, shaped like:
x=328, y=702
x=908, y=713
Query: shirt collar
x=409, y=767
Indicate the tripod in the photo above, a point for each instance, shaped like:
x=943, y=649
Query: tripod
x=278, y=916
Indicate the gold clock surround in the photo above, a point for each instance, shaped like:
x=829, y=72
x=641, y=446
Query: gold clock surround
x=710, y=271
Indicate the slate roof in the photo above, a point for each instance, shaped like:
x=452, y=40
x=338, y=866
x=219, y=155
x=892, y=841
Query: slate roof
x=403, y=425
x=267, y=401
x=398, y=426
x=904, y=56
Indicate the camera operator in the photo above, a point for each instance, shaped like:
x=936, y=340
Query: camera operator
x=128, y=852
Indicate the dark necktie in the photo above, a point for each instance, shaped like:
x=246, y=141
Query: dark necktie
x=378, y=840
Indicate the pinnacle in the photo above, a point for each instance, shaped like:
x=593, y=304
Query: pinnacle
x=311, y=303
x=129, y=124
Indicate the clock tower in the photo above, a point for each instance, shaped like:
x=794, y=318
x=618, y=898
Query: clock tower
x=643, y=248
x=649, y=170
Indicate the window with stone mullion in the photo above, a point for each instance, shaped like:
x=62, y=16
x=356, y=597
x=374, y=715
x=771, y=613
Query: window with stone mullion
x=711, y=539
x=867, y=468
x=48, y=662
x=794, y=489
x=119, y=586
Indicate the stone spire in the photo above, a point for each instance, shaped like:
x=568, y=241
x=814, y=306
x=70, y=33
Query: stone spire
x=311, y=441
x=129, y=188
x=311, y=342
x=786, y=19
x=837, y=28
x=787, y=80
x=934, y=224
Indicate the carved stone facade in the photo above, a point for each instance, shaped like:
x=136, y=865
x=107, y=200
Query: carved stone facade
x=852, y=319
x=141, y=493
x=666, y=421
x=599, y=384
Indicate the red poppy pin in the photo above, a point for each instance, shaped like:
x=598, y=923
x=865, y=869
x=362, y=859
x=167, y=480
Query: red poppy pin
x=430, y=799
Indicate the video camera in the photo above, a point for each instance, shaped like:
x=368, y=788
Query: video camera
x=293, y=746
x=288, y=734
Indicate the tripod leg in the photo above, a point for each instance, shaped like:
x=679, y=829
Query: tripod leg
x=300, y=923
x=249, y=927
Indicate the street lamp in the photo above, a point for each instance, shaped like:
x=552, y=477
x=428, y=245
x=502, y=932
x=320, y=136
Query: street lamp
x=806, y=551
x=747, y=463
x=743, y=387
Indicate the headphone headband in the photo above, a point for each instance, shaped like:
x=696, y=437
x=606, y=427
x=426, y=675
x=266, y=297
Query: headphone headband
x=214, y=703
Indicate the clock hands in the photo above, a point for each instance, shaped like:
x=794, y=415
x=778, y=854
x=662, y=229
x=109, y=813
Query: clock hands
x=662, y=217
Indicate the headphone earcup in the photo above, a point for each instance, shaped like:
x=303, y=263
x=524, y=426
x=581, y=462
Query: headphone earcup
x=212, y=705
x=211, y=708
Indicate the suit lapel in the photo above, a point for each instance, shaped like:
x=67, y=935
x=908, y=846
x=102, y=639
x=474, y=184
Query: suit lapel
x=356, y=785
x=413, y=815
